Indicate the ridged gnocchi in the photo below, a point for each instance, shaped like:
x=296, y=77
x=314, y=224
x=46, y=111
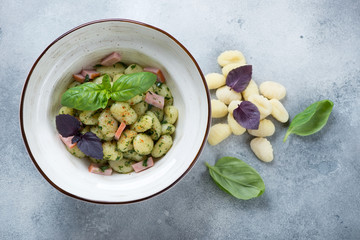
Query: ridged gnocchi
x=263, y=104
x=144, y=123
x=110, y=152
x=218, y=133
x=231, y=56
x=117, y=68
x=107, y=124
x=262, y=149
x=266, y=129
x=123, y=113
x=226, y=69
x=218, y=109
x=143, y=144
x=170, y=114
x=155, y=130
x=162, y=146
x=133, y=68
x=66, y=110
x=215, y=80
x=122, y=165
x=124, y=144
x=89, y=117
x=167, y=128
x=278, y=111
x=272, y=90
x=226, y=95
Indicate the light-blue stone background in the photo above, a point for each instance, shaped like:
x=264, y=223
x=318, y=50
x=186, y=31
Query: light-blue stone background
x=313, y=184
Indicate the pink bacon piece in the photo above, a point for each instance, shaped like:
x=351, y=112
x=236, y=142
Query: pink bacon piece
x=157, y=71
x=78, y=77
x=95, y=168
x=91, y=73
x=138, y=167
x=111, y=59
x=67, y=141
x=155, y=100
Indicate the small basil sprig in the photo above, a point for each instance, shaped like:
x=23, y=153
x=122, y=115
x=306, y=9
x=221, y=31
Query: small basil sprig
x=91, y=96
x=311, y=120
x=236, y=178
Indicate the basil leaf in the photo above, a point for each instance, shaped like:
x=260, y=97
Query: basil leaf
x=237, y=178
x=130, y=85
x=105, y=82
x=88, y=96
x=91, y=145
x=238, y=79
x=247, y=115
x=311, y=120
x=67, y=125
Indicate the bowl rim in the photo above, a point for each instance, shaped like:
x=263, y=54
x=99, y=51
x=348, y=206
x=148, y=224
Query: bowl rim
x=75, y=29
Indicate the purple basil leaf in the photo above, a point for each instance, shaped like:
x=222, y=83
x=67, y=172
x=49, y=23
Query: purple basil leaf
x=91, y=145
x=247, y=115
x=238, y=79
x=67, y=125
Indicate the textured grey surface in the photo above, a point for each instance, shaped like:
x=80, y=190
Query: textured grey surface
x=312, y=186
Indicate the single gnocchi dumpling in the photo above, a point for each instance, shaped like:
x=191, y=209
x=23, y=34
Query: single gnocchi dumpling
x=215, y=80
x=226, y=95
x=67, y=110
x=76, y=152
x=272, y=90
x=133, y=68
x=110, y=152
x=263, y=104
x=218, y=133
x=107, y=124
x=89, y=117
x=123, y=113
x=226, y=69
x=235, y=127
x=143, y=144
x=155, y=130
x=251, y=89
x=278, y=111
x=262, y=149
x=231, y=56
x=125, y=142
x=170, y=114
x=144, y=123
x=167, y=128
x=162, y=146
x=140, y=108
x=132, y=155
x=158, y=112
x=233, y=105
x=135, y=100
x=266, y=129
x=122, y=165
x=218, y=109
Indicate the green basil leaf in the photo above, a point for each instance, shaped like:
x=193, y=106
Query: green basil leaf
x=105, y=82
x=237, y=178
x=311, y=120
x=88, y=96
x=130, y=85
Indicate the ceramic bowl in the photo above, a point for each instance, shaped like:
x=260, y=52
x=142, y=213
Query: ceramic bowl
x=84, y=46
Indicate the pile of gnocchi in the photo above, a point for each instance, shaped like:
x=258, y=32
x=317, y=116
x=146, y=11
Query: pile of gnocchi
x=266, y=98
x=147, y=131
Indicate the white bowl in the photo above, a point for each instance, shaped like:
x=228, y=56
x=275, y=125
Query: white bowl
x=84, y=46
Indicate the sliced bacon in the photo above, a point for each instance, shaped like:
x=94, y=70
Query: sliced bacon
x=92, y=74
x=67, y=141
x=111, y=59
x=78, y=77
x=138, y=167
x=120, y=130
x=95, y=168
x=157, y=71
x=155, y=100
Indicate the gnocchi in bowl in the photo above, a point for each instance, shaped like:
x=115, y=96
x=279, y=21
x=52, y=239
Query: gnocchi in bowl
x=138, y=43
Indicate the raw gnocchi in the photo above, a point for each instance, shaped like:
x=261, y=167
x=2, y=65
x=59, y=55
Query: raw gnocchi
x=262, y=149
x=218, y=109
x=266, y=129
x=272, y=90
x=235, y=127
x=218, y=133
x=278, y=111
x=226, y=69
x=263, y=104
x=231, y=56
x=226, y=95
x=233, y=105
x=251, y=89
x=215, y=80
